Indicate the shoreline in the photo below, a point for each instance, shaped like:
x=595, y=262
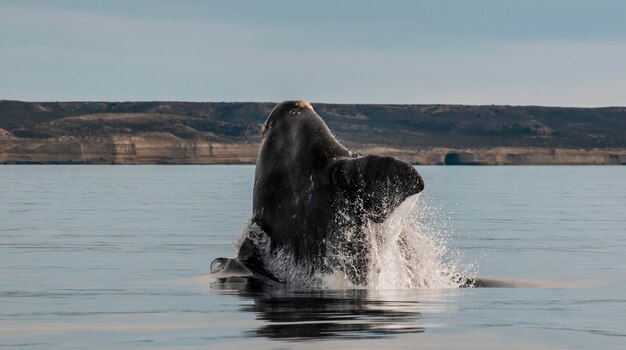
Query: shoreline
x=172, y=150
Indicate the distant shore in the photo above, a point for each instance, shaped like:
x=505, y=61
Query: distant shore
x=167, y=149
x=162, y=132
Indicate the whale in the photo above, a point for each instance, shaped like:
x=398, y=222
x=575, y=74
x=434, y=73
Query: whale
x=308, y=188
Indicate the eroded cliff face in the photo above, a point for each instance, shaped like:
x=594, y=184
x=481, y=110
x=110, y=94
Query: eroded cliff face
x=208, y=133
x=504, y=156
x=143, y=149
x=163, y=148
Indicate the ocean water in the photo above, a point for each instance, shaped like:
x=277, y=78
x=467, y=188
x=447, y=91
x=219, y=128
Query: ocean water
x=115, y=257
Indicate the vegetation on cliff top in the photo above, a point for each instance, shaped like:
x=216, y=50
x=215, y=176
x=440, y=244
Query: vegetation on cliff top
x=401, y=126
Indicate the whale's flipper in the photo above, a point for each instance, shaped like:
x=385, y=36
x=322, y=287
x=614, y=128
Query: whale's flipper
x=377, y=184
x=250, y=257
x=238, y=271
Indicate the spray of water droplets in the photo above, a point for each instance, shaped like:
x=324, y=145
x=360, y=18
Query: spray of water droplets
x=409, y=250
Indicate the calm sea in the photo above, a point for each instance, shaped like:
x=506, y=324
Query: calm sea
x=114, y=257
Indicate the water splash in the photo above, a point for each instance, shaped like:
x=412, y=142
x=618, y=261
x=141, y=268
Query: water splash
x=409, y=250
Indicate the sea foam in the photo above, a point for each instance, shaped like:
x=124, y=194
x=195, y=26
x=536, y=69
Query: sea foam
x=409, y=250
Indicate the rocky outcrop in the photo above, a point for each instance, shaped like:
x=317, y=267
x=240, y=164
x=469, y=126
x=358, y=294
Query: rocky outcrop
x=5, y=135
x=163, y=148
x=504, y=156
x=228, y=132
x=143, y=149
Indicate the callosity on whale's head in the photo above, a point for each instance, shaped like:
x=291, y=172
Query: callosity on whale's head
x=283, y=110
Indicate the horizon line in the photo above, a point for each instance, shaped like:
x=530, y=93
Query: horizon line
x=317, y=103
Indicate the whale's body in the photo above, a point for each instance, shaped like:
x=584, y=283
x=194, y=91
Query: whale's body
x=309, y=188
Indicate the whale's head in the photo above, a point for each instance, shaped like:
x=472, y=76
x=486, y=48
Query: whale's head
x=286, y=109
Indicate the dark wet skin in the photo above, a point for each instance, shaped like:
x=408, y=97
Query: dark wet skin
x=308, y=187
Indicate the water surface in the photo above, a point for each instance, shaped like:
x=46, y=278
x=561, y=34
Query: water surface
x=114, y=257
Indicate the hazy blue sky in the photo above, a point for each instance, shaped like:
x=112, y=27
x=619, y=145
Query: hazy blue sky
x=561, y=52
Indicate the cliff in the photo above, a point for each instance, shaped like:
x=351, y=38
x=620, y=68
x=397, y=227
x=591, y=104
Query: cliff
x=205, y=133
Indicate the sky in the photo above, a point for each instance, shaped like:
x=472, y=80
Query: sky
x=548, y=52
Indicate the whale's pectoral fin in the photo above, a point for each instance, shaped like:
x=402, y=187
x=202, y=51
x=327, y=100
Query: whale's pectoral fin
x=218, y=265
x=250, y=256
x=380, y=184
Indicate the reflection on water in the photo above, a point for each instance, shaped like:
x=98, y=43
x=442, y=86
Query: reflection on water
x=112, y=257
x=333, y=314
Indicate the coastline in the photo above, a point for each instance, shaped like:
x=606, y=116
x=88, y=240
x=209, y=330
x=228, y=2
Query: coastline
x=169, y=149
x=161, y=132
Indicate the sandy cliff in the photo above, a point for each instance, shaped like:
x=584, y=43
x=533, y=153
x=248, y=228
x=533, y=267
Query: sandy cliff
x=141, y=149
x=220, y=132
x=161, y=148
x=504, y=156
